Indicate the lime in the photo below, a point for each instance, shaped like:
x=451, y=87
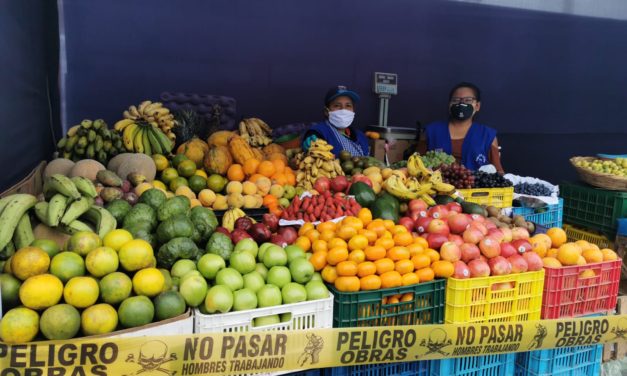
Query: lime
x=161, y=162
x=66, y=265
x=159, y=185
x=19, y=325
x=177, y=182
x=49, y=246
x=168, y=175
x=169, y=304
x=220, y=299
x=136, y=311
x=197, y=183
x=115, y=287
x=102, y=261
x=186, y=168
x=61, y=321
x=176, y=161
x=117, y=238
x=216, y=182
x=99, y=319
x=9, y=290
x=82, y=242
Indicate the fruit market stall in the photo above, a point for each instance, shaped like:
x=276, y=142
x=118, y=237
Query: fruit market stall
x=129, y=235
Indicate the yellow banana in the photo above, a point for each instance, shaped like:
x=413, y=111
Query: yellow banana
x=138, y=140
x=428, y=199
x=120, y=125
x=151, y=109
x=72, y=131
x=444, y=187
x=134, y=112
x=142, y=107
x=129, y=135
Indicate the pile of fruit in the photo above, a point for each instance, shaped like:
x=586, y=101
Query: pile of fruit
x=490, y=180
x=148, y=113
x=458, y=175
x=617, y=167
x=322, y=207
x=318, y=161
x=90, y=140
x=357, y=165
x=535, y=189
x=435, y=159
x=256, y=132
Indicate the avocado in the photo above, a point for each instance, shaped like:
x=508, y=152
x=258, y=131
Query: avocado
x=472, y=208
x=443, y=199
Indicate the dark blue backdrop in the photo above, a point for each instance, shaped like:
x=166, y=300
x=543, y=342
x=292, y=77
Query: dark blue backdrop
x=553, y=85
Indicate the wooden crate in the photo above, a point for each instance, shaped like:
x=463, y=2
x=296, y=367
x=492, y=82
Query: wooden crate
x=618, y=350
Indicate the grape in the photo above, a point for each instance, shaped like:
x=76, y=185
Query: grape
x=486, y=180
x=535, y=189
x=457, y=175
x=436, y=158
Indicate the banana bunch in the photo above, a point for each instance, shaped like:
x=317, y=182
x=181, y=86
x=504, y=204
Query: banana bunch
x=90, y=140
x=143, y=137
x=230, y=216
x=153, y=112
x=15, y=227
x=255, y=131
x=317, y=161
x=421, y=183
x=71, y=204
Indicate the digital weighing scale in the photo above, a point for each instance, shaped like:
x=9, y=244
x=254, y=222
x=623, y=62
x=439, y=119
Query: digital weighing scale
x=386, y=85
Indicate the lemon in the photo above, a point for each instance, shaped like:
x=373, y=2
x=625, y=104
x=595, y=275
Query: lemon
x=99, y=319
x=19, y=325
x=159, y=185
x=201, y=173
x=41, y=291
x=81, y=292
x=117, y=238
x=136, y=254
x=149, y=282
x=29, y=261
x=161, y=162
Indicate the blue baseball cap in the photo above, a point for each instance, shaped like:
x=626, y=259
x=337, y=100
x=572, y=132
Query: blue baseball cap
x=339, y=91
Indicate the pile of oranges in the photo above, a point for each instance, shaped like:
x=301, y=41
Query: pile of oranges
x=360, y=254
x=556, y=251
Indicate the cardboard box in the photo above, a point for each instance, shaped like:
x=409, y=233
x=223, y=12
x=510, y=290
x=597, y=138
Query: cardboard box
x=389, y=151
x=181, y=324
x=32, y=183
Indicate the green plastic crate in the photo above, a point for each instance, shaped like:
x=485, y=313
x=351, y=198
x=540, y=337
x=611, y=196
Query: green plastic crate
x=594, y=208
x=368, y=308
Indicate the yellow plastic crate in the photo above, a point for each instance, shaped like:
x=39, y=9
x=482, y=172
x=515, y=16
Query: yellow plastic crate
x=487, y=299
x=573, y=234
x=497, y=197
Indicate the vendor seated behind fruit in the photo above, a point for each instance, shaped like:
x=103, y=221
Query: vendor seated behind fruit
x=472, y=144
x=339, y=130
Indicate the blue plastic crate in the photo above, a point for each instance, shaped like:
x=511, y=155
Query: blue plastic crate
x=420, y=368
x=566, y=361
x=622, y=227
x=485, y=365
x=310, y=372
x=552, y=216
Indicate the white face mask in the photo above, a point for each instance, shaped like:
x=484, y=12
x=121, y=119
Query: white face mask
x=341, y=118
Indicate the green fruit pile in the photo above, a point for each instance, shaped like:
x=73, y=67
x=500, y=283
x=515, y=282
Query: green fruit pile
x=617, y=167
x=90, y=140
x=433, y=159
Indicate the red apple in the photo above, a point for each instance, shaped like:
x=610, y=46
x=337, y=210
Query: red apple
x=522, y=245
x=407, y=222
x=458, y=223
x=490, y=247
x=438, y=226
x=418, y=205
x=239, y=234
x=507, y=250
x=477, y=218
x=507, y=234
x=243, y=223
x=519, y=264
x=483, y=258
x=278, y=240
x=322, y=184
x=479, y=226
x=495, y=233
x=450, y=251
x=499, y=266
x=438, y=211
x=260, y=232
x=436, y=240
x=271, y=221
x=422, y=224
x=469, y=252
x=415, y=215
x=489, y=225
x=478, y=268
x=520, y=233
x=223, y=230
x=462, y=270
x=472, y=235
x=534, y=261
x=362, y=178
x=288, y=233
x=339, y=183
x=456, y=239
x=454, y=207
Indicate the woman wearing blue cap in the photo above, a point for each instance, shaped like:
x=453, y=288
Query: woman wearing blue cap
x=338, y=129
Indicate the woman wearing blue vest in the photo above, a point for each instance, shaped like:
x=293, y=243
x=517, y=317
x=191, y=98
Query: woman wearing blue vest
x=338, y=129
x=472, y=144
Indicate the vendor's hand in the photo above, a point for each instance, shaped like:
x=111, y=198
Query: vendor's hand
x=308, y=141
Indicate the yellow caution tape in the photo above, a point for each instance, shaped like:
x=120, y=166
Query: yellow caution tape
x=271, y=351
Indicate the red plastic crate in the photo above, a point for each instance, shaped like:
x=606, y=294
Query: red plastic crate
x=568, y=293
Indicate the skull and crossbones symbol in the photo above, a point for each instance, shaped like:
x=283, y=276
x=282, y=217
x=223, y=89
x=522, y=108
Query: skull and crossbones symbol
x=152, y=355
x=436, y=342
x=619, y=331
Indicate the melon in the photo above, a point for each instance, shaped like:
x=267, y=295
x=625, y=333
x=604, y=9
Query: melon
x=87, y=168
x=59, y=166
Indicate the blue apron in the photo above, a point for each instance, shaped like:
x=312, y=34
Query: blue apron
x=476, y=146
x=340, y=142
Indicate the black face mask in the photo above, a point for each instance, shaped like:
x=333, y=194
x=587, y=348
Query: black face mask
x=461, y=111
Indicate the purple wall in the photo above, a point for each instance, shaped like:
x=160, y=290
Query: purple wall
x=540, y=73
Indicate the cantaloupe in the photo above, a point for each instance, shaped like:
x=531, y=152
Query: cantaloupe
x=116, y=161
x=87, y=168
x=138, y=163
x=59, y=166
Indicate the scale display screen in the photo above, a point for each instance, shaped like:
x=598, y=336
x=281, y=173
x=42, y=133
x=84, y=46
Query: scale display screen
x=385, y=83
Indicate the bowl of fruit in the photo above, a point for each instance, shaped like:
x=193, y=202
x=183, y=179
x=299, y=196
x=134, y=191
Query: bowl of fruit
x=608, y=173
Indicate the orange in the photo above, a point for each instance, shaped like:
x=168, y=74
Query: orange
x=421, y=261
x=391, y=279
x=551, y=262
x=539, y=247
x=266, y=168
x=255, y=177
x=387, y=235
x=279, y=178
x=329, y=274
x=398, y=253
x=568, y=254
x=386, y=243
x=327, y=236
x=581, y=261
x=384, y=265
x=389, y=224
x=374, y=252
x=425, y=274
x=370, y=282
x=593, y=255
x=369, y=234
x=409, y=279
x=609, y=255
x=337, y=242
x=443, y=269
x=291, y=179
x=312, y=234
x=250, y=166
x=407, y=297
x=399, y=229
x=583, y=244
x=303, y=242
x=318, y=260
x=279, y=165
x=377, y=226
x=357, y=242
x=421, y=241
x=353, y=222
x=357, y=255
x=594, y=246
x=415, y=249
x=304, y=228
x=433, y=254
x=403, y=239
x=541, y=238
x=404, y=266
x=346, y=232
x=366, y=268
x=319, y=245
x=346, y=268
x=551, y=253
x=557, y=235
x=235, y=173
x=326, y=226
x=337, y=255
x=270, y=200
x=393, y=299
x=365, y=215
x=347, y=284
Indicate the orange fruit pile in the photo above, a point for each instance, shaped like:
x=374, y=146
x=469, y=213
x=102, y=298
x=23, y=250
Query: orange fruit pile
x=360, y=254
x=556, y=251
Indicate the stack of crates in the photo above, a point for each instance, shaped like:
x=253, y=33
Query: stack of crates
x=422, y=303
x=549, y=216
x=476, y=300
